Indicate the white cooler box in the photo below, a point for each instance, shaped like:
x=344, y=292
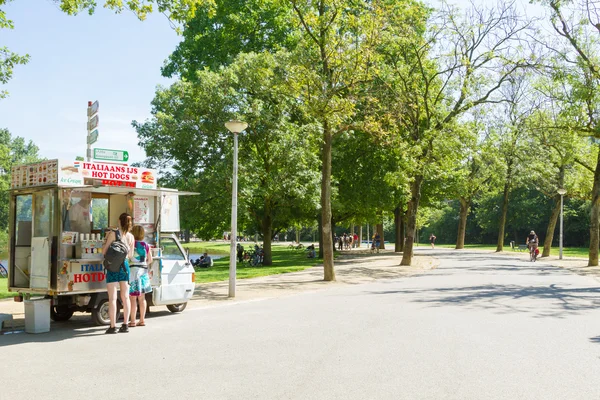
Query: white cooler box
x=37, y=315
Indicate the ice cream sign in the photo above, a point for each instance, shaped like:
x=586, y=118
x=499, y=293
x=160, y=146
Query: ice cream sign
x=106, y=174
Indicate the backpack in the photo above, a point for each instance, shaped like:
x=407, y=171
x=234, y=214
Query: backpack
x=115, y=254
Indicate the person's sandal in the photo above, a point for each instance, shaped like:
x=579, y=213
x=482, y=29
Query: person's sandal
x=111, y=330
x=141, y=324
x=124, y=328
x=132, y=325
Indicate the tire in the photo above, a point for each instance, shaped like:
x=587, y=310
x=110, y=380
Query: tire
x=100, y=313
x=175, y=308
x=60, y=313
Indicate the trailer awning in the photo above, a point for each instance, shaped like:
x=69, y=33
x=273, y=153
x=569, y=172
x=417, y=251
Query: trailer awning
x=136, y=191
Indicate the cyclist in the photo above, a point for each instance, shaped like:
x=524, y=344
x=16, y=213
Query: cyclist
x=532, y=244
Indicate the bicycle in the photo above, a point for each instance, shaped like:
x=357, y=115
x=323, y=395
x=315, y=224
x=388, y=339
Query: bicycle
x=533, y=252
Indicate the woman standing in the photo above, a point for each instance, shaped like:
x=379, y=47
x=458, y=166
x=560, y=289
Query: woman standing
x=119, y=280
x=139, y=283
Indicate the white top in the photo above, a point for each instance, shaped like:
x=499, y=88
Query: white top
x=127, y=238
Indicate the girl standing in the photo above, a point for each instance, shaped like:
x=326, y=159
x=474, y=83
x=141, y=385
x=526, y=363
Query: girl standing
x=140, y=276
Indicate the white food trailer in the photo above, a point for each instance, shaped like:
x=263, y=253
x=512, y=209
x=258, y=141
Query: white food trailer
x=59, y=214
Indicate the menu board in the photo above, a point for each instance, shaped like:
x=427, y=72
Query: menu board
x=38, y=174
x=142, y=210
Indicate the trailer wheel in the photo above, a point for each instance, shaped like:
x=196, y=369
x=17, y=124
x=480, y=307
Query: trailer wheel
x=174, y=308
x=60, y=313
x=100, y=313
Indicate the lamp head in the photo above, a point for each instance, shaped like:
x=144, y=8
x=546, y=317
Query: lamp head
x=236, y=126
x=562, y=191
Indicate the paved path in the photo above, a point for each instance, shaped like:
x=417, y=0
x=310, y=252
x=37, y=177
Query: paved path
x=479, y=326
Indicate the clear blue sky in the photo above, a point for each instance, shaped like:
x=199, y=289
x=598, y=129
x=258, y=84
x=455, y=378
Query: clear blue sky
x=112, y=58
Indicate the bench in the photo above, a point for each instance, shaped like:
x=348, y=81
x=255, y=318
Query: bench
x=519, y=247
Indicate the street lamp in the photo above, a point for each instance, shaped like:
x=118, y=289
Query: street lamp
x=562, y=192
x=234, y=127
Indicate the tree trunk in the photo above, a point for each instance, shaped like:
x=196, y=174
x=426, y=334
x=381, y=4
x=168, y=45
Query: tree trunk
x=328, y=268
x=411, y=228
x=360, y=236
x=500, y=246
x=402, y=230
x=267, y=231
x=465, y=206
x=379, y=229
x=319, y=227
x=333, y=228
x=595, y=215
x=186, y=234
x=551, y=227
x=399, y=240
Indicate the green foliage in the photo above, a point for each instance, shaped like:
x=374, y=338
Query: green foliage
x=277, y=155
x=8, y=59
x=216, y=35
x=176, y=10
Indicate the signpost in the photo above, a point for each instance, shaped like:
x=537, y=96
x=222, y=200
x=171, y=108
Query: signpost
x=92, y=124
x=111, y=155
x=93, y=137
x=93, y=109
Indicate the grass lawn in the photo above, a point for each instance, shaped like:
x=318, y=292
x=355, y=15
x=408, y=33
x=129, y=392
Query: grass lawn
x=284, y=260
x=4, y=293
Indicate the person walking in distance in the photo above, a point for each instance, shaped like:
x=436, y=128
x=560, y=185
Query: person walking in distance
x=432, y=240
x=119, y=280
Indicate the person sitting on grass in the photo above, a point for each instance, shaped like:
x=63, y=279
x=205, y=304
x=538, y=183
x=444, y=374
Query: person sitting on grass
x=311, y=251
x=206, y=261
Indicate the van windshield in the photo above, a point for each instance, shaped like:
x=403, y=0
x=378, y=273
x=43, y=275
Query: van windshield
x=170, y=249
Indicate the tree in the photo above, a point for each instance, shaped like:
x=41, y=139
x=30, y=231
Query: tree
x=217, y=35
x=8, y=59
x=459, y=64
x=577, y=24
x=331, y=60
x=277, y=164
x=476, y=174
x=13, y=151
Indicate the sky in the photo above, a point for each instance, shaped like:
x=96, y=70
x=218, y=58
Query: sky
x=112, y=58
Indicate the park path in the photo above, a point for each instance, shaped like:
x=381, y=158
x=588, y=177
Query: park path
x=478, y=326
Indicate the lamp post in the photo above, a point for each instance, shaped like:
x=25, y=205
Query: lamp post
x=234, y=127
x=562, y=192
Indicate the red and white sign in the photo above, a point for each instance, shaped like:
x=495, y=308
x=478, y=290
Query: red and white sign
x=80, y=173
x=118, y=175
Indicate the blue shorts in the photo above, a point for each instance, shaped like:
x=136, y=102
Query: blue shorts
x=121, y=276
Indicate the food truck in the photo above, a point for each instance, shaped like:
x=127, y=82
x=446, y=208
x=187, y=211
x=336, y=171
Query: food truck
x=59, y=215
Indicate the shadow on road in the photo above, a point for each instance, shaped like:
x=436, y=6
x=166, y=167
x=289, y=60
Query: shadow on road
x=595, y=339
x=549, y=301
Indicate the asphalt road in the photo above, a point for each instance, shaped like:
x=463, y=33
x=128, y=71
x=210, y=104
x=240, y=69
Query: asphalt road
x=479, y=326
